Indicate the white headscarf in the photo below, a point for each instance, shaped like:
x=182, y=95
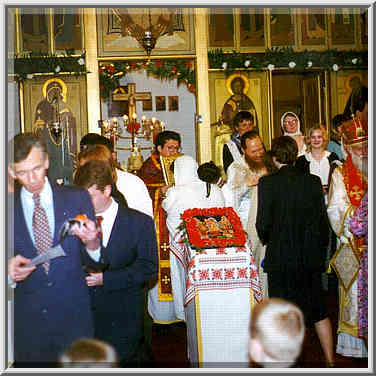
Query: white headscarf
x=290, y=113
x=185, y=170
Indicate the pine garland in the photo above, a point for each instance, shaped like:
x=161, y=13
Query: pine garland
x=169, y=69
x=286, y=57
x=27, y=65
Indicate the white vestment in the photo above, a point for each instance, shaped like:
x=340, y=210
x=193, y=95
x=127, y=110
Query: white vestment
x=339, y=209
x=244, y=200
x=134, y=191
x=187, y=193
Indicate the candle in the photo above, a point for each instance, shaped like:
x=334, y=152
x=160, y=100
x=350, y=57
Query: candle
x=125, y=118
x=134, y=116
x=153, y=120
x=143, y=118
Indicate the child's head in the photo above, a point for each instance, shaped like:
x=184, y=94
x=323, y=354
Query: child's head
x=276, y=333
x=87, y=353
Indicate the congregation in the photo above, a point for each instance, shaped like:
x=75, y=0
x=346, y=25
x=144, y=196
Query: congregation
x=241, y=256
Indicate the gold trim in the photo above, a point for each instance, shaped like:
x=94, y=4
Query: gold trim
x=22, y=107
x=344, y=218
x=163, y=297
x=18, y=30
x=166, y=321
x=270, y=105
x=344, y=326
x=232, y=77
x=60, y=82
x=198, y=329
x=332, y=263
x=156, y=57
x=50, y=21
x=251, y=299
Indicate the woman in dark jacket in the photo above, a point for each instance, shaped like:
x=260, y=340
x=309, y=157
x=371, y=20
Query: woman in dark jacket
x=293, y=223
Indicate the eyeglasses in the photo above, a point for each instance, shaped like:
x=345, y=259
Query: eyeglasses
x=173, y=148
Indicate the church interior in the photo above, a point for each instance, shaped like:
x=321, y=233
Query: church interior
x=128, y=73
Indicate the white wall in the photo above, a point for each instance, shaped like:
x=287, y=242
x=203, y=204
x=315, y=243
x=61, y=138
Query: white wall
x=181, y=121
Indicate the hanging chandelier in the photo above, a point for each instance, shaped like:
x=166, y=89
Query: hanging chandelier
x=146, y=36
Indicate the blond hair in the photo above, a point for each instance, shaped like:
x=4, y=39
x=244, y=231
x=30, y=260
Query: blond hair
x=278, y=325
x=87, y=353
x=316, y=127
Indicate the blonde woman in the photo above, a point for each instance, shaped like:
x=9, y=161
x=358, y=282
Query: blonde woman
x=321, y=162
x=317, y=160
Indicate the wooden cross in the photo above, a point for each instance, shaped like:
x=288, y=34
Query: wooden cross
x=131, y=97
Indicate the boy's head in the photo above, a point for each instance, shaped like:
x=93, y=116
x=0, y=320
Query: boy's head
x=276, y=333
x=87, y=353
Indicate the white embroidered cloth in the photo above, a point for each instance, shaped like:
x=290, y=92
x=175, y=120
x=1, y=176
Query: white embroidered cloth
x=222, y=286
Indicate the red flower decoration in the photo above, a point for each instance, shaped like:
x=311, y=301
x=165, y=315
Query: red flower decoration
x=254, y=273
x=188, y=64
x=217, y=274
x=229, y=273
x=204, y=274
x=191, y=88
x=242, y=273
x=134, y=64
x=111, y=69
x=174, y=69
x=158, y=63
x=213, y=228
x=101, y=87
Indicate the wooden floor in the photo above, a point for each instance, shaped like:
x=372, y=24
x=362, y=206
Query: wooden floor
x=170, y=346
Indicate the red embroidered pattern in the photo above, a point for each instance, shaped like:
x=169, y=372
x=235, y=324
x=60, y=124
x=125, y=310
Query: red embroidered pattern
x=229, y=273
x=207, y=271
x=355, y=185
x=204, y=274
x=242, y=273
x=217, y=274
x=213, y=228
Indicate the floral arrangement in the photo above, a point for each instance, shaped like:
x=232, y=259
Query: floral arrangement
x=168, y=69
x=212, y=228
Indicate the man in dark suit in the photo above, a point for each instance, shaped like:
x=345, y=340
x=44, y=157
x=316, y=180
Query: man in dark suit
x=131, y=260
x=52, y=304
x=292, y=222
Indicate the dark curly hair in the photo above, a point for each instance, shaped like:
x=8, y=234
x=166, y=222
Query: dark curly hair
x=210, y=173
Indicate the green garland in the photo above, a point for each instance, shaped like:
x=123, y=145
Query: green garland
x=286, y=57
x=25, y=66
x=169, y=69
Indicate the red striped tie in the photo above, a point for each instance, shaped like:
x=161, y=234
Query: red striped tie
x=41, y=230
x=99, y=227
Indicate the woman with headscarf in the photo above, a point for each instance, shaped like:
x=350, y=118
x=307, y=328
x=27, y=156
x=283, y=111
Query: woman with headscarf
x=188, y=192
x=290, y=125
